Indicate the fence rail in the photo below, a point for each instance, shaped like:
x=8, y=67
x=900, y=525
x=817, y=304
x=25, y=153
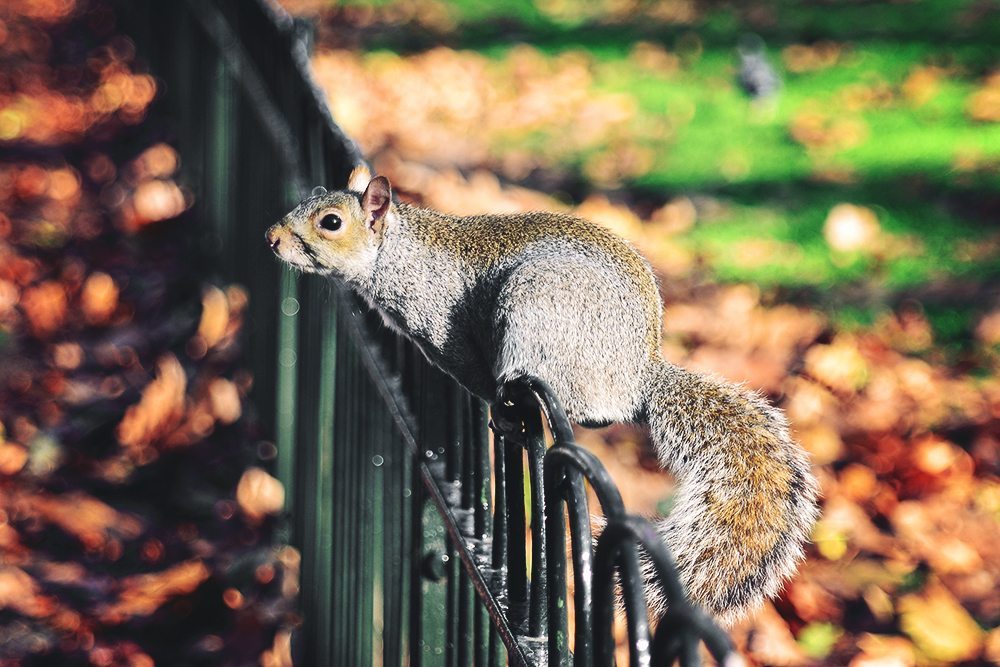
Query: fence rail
x=423, y=539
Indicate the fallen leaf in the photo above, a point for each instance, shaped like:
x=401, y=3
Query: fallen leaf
x=156, y=200
x=159, y=410
x=93, y=522
x=839, y=365
x=939, y=626
x=259, y=494
x=20, y=592
x=225, y=400
x=12, y=457
x=850, y=228
x=772, y=643
x=884, y=651
x=99, y=298
x=45, y=307
x=143, y=594
x=214, y=316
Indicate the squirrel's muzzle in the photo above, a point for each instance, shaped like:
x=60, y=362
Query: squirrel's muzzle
x=271, y=235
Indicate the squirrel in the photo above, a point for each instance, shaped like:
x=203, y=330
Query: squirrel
x=490, y=298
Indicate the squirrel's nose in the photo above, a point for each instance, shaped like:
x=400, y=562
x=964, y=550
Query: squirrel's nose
x=271, y=236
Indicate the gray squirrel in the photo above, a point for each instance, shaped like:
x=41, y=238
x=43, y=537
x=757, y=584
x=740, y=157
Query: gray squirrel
x=490, y=298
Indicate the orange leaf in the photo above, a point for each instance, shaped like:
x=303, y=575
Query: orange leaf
x=143, y=594
x=259, y=494
x=159, y=410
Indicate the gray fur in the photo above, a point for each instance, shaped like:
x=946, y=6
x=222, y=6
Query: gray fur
x=572, y=305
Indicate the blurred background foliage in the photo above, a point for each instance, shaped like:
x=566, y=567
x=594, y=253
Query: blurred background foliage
x=137, y=521
x=816, y=184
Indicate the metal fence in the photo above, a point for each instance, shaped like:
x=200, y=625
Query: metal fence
x=423, y=539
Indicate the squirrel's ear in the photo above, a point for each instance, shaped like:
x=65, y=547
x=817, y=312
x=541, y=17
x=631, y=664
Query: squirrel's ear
x=358, y=180
x=375, y=202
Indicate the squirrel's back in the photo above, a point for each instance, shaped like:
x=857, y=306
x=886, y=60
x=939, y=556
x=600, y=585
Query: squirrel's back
x=495, y=246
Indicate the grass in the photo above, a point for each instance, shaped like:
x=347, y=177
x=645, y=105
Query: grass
x=907, y=157
x=924, y=240
x=770, y=231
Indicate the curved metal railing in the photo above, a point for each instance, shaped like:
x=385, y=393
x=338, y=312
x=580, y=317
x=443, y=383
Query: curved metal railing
x=563, y=472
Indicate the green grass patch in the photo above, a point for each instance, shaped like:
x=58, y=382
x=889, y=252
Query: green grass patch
x=855, y=122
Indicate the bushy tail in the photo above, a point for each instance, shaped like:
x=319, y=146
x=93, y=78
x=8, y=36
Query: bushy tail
x=746, y=499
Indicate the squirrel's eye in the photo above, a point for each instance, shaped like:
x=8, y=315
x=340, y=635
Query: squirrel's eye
x=330, y=222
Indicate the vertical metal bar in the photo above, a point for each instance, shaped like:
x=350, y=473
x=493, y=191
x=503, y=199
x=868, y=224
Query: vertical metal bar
x=338, y=533
x=478, y=439
x=613, y=550
x=371, y=525
x=285, y=414
x=583, y=568
x=498, y=654
x=500, y=508
x=465, y=639
x=415, y=641
x=499, y=545
x=452, y=613
x=481, y=628
x=323, y=499
x=453, y=448
x=464, y=443
x=517, y=574
x=535, y=444
x=555, y=533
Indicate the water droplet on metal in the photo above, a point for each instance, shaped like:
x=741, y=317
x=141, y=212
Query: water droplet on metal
x=290, y=306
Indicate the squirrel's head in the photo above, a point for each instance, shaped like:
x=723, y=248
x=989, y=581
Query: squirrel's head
x=336, y=232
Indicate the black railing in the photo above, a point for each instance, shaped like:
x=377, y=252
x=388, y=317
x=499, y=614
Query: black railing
x=423, y=539
x=563, y=502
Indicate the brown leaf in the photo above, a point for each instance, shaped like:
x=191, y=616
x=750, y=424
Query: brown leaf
x=99, y=298
x=214, y=316
x=839, y=365
x=822, y=442
x=992, y=652
x=90, y=520
x=884, y=651
x=772, y=643
x=45, y=307
x=160, y=409
x=143, y=594
x=984, y=104
x=12, y=457
x=922, y=84
x=18, y=591
x=280, y=653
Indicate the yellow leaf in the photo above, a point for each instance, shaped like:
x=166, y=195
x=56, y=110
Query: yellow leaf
x=939, y=626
